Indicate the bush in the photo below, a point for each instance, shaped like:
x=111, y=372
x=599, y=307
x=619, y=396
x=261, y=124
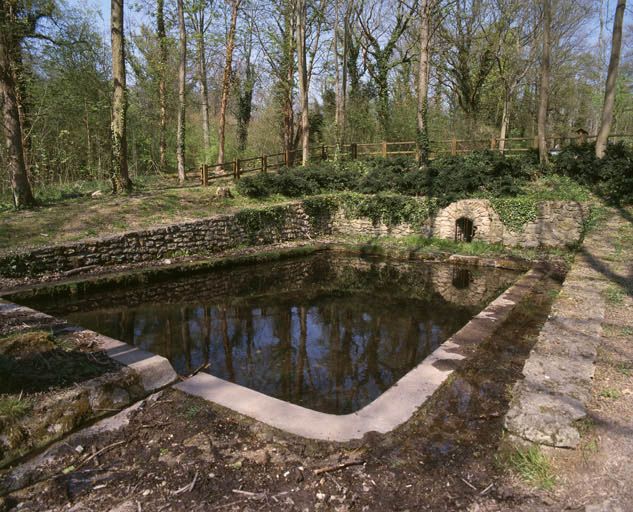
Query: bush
x=481, y=174
x=484, y=173
x=257, y=185
x=610, y=177
x=292, y=183
x=390, y=209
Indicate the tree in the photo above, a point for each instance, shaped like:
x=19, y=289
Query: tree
x=245, y=85
x=471, y=43
x=544, y=85
x=301, y=13
x=340, y=65
x=162, y=89
x=182, y=99
x=380, y=50
x=517, y=45
x=119, y=176
x=201, y=24
x=425, y=9
x=226, y=79
x=612, y=76
x=17, y=22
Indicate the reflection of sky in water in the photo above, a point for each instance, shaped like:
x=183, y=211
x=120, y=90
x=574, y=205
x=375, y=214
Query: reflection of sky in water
x=330, y=351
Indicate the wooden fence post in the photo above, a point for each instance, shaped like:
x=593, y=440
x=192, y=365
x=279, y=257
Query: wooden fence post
x=323, y=152
x=493, y=143
x=453, y=146
x=264, y=163
x=353, y=150
x=535, y=142
x=236, y=170
x=384, y=149
x=287, y=158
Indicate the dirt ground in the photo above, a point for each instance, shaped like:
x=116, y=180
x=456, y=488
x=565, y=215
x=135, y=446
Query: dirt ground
x=181, y=453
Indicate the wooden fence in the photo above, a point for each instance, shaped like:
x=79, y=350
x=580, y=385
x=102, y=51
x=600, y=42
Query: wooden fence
x=354, y=151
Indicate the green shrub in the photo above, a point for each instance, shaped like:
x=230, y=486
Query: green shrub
x=293, y=183
x=484, y=173
x=257, y=185
x=610, y=177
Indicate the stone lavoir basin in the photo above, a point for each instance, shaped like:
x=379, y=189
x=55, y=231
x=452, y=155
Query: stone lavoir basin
x=327, y=346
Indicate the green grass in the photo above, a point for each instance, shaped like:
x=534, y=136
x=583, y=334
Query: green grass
x=192, y=411
x=614, y=294
x=533, y=467
x=419, y=243
x=610, y=393
x=13, y=408
x=624, y=369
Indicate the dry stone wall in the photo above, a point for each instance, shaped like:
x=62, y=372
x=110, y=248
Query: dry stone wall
x=557, y=224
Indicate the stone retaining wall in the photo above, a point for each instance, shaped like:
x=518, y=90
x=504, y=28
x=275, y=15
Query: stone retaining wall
x=557, y=224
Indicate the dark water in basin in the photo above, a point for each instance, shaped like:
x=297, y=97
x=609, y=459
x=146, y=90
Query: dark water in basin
x=328, y=332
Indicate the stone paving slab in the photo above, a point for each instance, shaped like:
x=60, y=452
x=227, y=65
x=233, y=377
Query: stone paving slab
x=558, y=374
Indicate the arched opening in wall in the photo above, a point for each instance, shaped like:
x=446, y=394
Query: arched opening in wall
x=464, y=230
x=461, y=278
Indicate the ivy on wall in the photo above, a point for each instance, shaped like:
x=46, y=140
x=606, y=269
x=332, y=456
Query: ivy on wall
x=516, y=212
x=262, y=223
x=390, y=209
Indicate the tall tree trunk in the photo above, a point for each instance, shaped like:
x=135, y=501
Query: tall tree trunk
x=162, y=88
x=202, y=72
x=303, y=80
x=423, y=82
x=382, y=84
x=612, y=76
x=20, y=186
x=245, y=106
x=337, y=74
x=226, y=80
x=180, y=135
x=287, y=83
x=20, y=82
x=341, y=70
x=119, y=174
x=505, y=120
x=544, y=87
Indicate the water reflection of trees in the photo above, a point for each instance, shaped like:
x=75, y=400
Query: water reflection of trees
x=331, y=333
x=334, y=354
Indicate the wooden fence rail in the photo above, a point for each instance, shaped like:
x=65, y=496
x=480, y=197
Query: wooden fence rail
x=449, y=147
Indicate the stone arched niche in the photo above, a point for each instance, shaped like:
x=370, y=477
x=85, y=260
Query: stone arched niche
x=464, y=230
x=486, y=224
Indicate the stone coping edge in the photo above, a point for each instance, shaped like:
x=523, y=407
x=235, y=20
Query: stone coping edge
x=390, y=409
